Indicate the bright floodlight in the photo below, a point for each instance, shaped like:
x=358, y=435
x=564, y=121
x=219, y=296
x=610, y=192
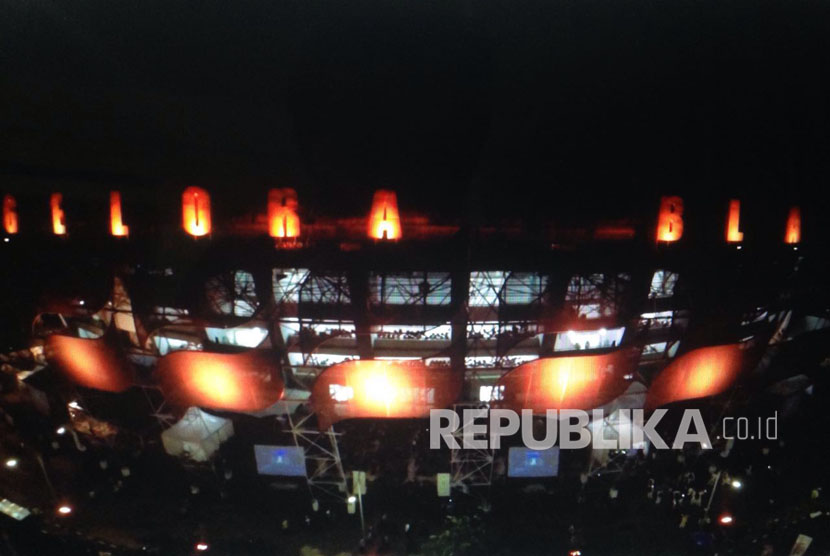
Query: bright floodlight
x=11, y=463
x=64, y=509
x=725, y=519
x=352, y=499
x=201, y=546
x=61, y=430
x=737, y=484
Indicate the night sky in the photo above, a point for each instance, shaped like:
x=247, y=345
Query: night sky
x=505, y=109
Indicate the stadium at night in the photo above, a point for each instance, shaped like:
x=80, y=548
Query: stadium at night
x=410, y=278
x=268, y=352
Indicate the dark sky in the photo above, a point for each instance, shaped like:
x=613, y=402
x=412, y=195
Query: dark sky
x=490, y=104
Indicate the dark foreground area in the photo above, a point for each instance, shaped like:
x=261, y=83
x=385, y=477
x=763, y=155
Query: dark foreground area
x=636, y=504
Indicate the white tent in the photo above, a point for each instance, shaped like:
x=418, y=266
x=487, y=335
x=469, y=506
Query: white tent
x=617, y=427
x=197, y=435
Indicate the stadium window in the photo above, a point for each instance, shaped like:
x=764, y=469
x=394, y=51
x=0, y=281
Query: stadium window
x=595, y=295
x=165, y=344
x=655, y=349
x=662, y=284
x=660, y=319
x=169, y=314
x=480, y=361
x=574, y=340
x=232, y=294
x=430, y=288
x=673, y=347
x=485, y=287
x=289, y=327
x=331, y=288
x=243, y=337
x=491, y=393
x=287, y=283
x=589, y=311
x=482, y=330
x=524, y=288
x=440, y=285
x=88, y=333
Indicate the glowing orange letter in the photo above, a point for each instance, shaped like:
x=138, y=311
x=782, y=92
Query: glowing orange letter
x=10, y=214
x=733, y=224
x=670, y=219
x=384, y=220
x=196, y=211
x=58, y=217
x=116, y=224
x=793, y=233
x=283, y=220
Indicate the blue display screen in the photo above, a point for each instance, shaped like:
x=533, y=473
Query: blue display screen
x=286, y=461
x=524, y=462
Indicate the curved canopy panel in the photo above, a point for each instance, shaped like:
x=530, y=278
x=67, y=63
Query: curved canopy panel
x=235, y=382
x=90, y=363
x=568, y=382
x=382, y=389
x=697, y=374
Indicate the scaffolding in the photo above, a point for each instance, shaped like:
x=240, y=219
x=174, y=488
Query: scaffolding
x=470, y=467
x=324, y=467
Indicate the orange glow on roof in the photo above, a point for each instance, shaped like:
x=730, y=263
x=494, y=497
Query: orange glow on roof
x=90, y=363
x=283, y=221
x=793, y=233
x=10, y=215
x=196, y=211
x=612, y=231
x=381, y=389
x=567, y=382
x=384, y=220
x=58, y=217
x=697, y=374
x=237, y=382
x=733, y=223
x=670, y=219
x=117, y=227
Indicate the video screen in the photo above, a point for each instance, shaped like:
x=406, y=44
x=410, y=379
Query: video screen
x=524, y=462
x=285, y=461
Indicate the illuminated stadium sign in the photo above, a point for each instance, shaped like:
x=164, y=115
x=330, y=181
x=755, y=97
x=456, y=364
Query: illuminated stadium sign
x=384, y=221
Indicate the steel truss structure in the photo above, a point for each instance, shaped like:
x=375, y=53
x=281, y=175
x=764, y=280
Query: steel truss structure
x=470, y=467
x=325, y=470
